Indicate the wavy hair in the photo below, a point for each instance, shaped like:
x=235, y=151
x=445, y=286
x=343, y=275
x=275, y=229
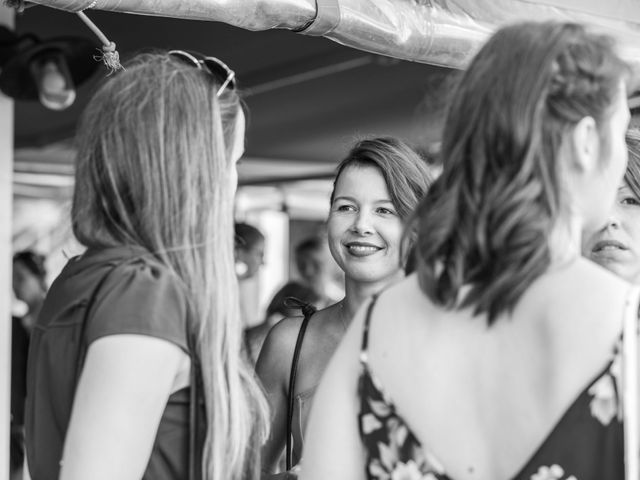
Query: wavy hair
x=632, y=174
x=485, y=223
x=154, y=169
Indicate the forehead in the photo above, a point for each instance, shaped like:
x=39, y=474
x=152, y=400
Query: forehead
x=362, y=182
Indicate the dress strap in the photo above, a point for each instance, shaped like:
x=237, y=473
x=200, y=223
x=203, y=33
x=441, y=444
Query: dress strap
x=365, y=331
x=308, y=310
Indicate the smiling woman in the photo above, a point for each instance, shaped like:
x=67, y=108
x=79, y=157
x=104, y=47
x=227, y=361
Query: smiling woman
x=376, y=188
x=616, y=247
x=364, y=226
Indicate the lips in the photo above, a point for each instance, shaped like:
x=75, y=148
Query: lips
x=608, y=245
x=362, y=249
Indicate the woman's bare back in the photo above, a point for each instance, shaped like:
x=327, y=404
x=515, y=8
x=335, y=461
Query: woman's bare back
x=483, y=399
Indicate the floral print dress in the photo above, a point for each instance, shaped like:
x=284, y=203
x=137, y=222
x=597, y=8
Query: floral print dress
x=585, y=444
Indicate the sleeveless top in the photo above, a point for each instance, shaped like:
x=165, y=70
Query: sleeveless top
x=585, y=444
x=139, y=296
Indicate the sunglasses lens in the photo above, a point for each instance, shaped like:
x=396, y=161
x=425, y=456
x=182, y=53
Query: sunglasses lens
x=215, y=67
x=222, y=73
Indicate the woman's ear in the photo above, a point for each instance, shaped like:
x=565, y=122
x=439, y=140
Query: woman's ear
x=585, y=144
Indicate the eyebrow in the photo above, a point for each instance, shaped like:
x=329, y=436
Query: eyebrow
x=351, y=199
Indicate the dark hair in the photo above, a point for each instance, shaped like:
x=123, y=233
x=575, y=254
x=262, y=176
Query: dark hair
x=405, y=173
x=247, y=236
x=632, y=174
x=486, y=221
x=32, y=261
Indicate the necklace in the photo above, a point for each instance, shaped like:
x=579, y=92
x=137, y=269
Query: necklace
x=341, y=316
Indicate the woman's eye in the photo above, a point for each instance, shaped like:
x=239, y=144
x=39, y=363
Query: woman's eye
x=385, y=211
x=630, y=201
x=345, y=208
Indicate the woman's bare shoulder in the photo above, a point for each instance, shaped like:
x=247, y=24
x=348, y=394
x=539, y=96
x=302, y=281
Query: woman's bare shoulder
x=283, y=335
x=277, y=350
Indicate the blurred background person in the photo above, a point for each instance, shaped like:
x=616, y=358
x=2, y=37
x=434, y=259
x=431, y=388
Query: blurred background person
x=29, y=287
x=29, y=283
x=249, y=257
x=135, y=367
x=616, y=247
x=499, y=357
x=375, y=189
x=249, y=250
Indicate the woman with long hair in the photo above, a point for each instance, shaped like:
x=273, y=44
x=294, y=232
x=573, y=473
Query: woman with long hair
x=616, y=247
x=497, y=359
x=135, y=368
x=375, y=189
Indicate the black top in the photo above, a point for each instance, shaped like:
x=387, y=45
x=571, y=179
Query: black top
x=19, y=352
x=138, y=295
x=586, y=443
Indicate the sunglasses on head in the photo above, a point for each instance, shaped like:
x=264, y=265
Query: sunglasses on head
x=216, y=67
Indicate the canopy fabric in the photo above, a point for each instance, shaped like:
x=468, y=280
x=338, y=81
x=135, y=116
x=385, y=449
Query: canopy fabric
x=439, y=32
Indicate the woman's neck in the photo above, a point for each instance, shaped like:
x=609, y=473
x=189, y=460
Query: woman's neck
x=565, y=241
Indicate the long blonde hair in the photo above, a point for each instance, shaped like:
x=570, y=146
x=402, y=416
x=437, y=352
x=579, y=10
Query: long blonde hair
x=154, y=169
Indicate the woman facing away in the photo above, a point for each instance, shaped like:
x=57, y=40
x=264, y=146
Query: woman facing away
x=496, y=359
x=135, y=368
x=376, y=187
x=616, y=247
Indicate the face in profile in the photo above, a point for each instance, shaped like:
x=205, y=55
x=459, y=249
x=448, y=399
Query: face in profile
x=612, y=165
x=616, y=247
x=364, y=228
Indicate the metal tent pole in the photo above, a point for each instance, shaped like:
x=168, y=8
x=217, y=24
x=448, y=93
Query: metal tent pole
x=6, y=200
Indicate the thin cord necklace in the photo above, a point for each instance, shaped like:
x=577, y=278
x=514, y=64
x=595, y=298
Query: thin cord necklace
x=341, y=315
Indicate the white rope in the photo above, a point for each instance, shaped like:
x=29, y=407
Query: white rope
x=110, y=56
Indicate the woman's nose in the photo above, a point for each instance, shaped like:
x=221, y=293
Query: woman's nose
x=613, y=221
x=362, y=223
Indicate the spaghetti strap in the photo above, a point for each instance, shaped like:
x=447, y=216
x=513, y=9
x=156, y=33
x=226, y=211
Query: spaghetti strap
x=307, y=310
x=365, y=331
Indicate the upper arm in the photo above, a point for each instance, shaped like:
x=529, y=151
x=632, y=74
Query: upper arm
x=121, y=395
x=332, y=443
x=272, y=368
